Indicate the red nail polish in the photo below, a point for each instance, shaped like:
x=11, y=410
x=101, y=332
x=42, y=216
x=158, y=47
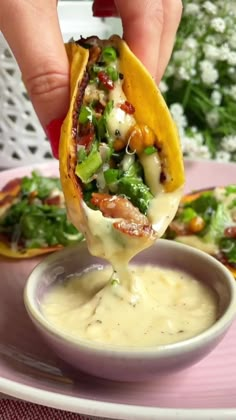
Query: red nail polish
x=53, y=132
x=104, y=8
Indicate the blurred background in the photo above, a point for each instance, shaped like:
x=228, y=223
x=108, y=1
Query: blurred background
x=199, y=85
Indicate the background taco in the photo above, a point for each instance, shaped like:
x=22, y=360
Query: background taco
x=33, y=218
x=206, y=219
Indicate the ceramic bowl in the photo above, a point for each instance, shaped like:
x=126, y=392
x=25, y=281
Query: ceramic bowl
x=129, y=364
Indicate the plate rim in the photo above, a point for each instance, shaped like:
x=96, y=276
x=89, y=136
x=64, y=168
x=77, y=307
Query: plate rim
x=101, y=408
x=95, y=408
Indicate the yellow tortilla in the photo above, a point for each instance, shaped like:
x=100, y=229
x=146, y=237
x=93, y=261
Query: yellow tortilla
x=150, y=109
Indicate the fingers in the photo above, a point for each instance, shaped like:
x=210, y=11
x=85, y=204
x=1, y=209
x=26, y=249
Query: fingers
x=172, y=16
x=104, y=8
x=142, y=25
x=149, y=28
x=32, y=31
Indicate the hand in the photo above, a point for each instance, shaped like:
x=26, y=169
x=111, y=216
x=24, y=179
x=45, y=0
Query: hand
x=149, y=28
x=33, y=33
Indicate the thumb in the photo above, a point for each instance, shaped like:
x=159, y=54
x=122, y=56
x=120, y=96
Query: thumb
x=33, y=33
x=143, y=22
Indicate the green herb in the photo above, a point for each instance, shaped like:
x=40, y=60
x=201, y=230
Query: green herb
x=204, y=206
x=37, y=183
x=108, y=108
x=111, y=175
x=85, y=115
x=86, y=169
x=112, y=73
x=134, y=171
x=114, y=282
x=150, y=150
x=81, y=154
x=136, y=191
x=109, y=54
x=230, y=189
x=228, y=247
x=220, y=219
x=38, y=225
x=187, y=214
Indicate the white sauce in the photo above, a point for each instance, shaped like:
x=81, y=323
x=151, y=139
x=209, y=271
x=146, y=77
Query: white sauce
x=172, y=307
x=117, y=118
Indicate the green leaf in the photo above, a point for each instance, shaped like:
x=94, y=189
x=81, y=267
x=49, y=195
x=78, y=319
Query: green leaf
x=85, y=115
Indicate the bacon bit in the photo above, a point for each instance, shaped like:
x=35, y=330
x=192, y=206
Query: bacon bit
x=99, y=108
x=86, y=135
x=127, y=107
x=105, y=80
x=94, y=54
x=230, y=232
x=53, y=201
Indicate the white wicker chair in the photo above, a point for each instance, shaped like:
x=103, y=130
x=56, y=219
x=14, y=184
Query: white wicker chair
x=22, y=139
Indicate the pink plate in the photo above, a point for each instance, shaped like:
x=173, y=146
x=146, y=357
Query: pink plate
x=29, y=369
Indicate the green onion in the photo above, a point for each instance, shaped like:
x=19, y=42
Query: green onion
x=86, y=169
x=109, y=107
x=81, y=154
x=230, y=189
x=188, y=214
x=85, y=114
x=112, y=73
x=150, y=150
x=111, y=176
x=109, y=54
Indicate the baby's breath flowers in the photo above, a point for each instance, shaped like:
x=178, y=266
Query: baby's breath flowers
x=200, y=81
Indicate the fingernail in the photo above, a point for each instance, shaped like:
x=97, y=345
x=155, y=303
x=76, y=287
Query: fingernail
x=104, y=8
x=53, y=132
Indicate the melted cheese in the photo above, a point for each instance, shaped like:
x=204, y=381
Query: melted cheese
x=172, y=307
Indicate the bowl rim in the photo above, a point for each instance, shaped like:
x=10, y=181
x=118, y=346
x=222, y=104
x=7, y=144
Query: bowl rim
x=162, y=351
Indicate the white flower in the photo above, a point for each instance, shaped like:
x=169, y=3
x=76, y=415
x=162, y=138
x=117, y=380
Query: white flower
x=232, y=40
x=198, y=137
x=176, y=109
x=190, y=43
x=163, y=86
x=177, y=113
x=203, y=152
x=211, y=52
x=183, y=74
x=232, y=92
x=232, y=58
x=222, y=156
x=216, y=97
x=218, y=24
x=210, y=7
x=224, y=52
x=228, y=143
x=212, y=118
x=191, y=9
x=209, y=74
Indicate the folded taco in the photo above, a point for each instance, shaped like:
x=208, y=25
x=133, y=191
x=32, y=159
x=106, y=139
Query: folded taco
x=33, y=218
x=120, y=158
x=206, y=219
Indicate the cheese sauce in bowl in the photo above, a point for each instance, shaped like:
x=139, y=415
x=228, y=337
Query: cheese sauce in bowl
x=173, y=309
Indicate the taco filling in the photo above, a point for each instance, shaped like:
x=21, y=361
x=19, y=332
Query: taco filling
x=111, y=159
x=207, y=220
